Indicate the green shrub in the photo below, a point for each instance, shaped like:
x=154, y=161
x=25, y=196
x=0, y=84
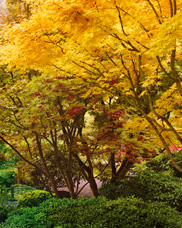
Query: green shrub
x=4, y=210
x=27, y=217
x=34, y=198
x=178, y=158
x=112, y=191
x=99, y=212
x=95, y=213
x=7, y=177
x=149, y=186
x=73, y=213
x=162, y=164
x=135, y=213
x=3, y=214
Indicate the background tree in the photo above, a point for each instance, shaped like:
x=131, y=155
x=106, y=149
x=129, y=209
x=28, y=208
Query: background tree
x=135, y=51
x=113, y=48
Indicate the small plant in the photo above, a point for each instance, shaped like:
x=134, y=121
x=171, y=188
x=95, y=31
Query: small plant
x=34, y=198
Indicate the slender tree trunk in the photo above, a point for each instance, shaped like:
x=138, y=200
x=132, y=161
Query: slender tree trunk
x=67, y=177
x=88, y=174
x=46, y=170
x=113, y=165
x=70, y=186
x=92, y=183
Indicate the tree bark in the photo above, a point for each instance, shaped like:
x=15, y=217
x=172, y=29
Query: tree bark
x=122, y=171
x=88, y=174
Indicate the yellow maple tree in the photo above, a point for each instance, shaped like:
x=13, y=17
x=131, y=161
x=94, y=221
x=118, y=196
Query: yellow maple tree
x=131, y=50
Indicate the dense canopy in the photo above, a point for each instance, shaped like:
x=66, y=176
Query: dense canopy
x=100, y=79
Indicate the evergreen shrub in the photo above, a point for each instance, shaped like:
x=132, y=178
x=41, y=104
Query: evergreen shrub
x=149, y=186
x=96, y=212
x=27, y=217
x=34, y=198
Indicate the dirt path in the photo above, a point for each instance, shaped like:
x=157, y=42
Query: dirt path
x=86, y=192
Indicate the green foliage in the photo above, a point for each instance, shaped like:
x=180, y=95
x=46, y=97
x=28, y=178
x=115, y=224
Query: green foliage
x=21, y=189
x=27, y=217
x=73, y=213
x=3, y=147
x=95, y=213
x=34, y=198
x=4, y=197
x=7, y=177
x=161, y=164
x=4, y=210
x=3, y=214
x=149, y=186
x=178, y=158
x=7, y=158
x=111, y=190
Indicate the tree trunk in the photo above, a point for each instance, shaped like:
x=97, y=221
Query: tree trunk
x=88, y=174
x=93, y=184
x=122, y=171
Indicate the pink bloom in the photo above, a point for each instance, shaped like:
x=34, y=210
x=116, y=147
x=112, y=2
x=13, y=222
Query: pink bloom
x=175, y=149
